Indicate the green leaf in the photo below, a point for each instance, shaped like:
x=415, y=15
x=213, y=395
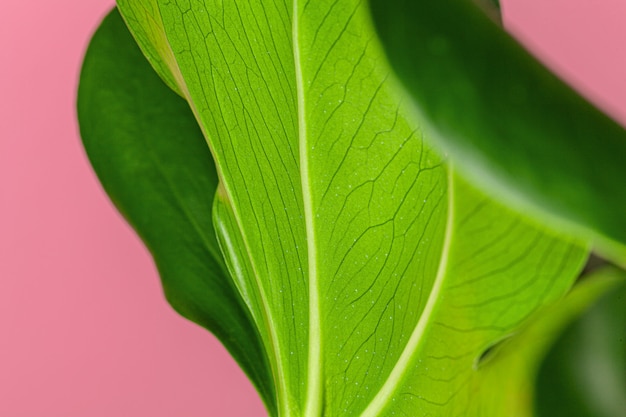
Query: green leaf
x=584, y=374
x=495, y=271
x=376, y=277
x=505, y=383
x=152, y=160
x=507, y=121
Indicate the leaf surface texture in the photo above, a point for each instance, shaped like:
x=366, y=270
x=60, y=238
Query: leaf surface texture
x=374, y=274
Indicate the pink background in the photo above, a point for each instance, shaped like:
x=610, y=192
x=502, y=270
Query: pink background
x=84, y=328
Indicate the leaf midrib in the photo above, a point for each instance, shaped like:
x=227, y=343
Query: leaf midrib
x=313, y=401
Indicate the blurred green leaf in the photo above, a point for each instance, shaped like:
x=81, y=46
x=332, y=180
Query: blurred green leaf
x=584, y=374
x=153, y=161
x=505, y=382
x=508, y=122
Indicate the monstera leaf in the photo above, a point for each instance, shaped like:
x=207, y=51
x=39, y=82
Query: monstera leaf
x=357, y=273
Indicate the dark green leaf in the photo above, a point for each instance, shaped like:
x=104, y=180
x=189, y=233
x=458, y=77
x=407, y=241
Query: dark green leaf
x=584, y=375
x=506, y=120
x=152, y=160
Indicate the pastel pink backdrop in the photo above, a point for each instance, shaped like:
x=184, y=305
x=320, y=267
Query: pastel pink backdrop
x=84, y=328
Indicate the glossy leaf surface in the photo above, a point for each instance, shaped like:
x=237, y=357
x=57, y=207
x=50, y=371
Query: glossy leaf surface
x=152, y=160
x=376, y=277
x=505, y=119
